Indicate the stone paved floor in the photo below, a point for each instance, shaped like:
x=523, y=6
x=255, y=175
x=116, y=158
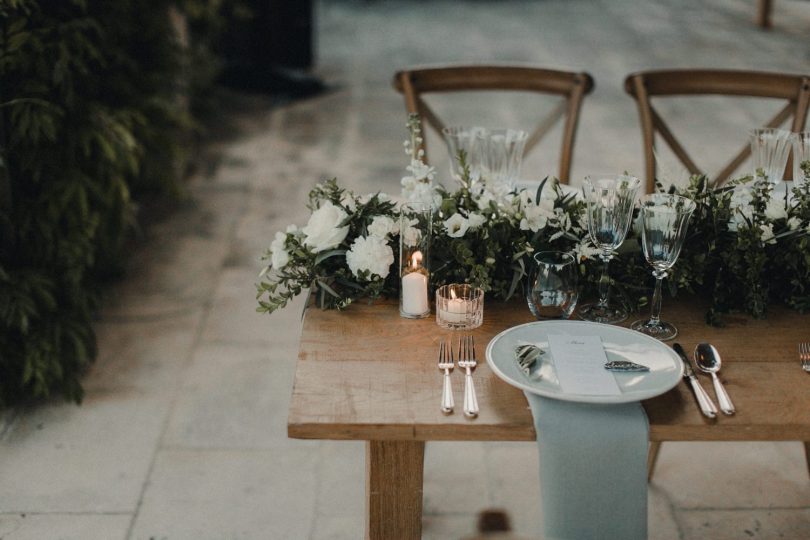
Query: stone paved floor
x=182, y=434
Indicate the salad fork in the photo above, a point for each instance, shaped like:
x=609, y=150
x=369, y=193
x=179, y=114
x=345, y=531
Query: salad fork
x=466, y=360
x=804, y=355
x=446, y=366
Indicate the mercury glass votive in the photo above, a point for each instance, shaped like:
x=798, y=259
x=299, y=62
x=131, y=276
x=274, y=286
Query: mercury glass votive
x=459, y=306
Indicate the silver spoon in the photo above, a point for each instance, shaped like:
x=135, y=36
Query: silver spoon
x=707, y=360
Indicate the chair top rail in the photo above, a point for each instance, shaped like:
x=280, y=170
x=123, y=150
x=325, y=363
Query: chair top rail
x=720, y=82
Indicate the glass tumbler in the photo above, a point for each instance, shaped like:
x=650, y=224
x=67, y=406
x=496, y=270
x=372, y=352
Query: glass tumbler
x=551, y=290
x=801, y=153
x=769, y=151
x=471, y=141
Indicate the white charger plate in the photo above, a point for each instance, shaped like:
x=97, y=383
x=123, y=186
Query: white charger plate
x=666, y=367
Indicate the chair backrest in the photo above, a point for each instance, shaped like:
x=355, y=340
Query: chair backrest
x=794, y=89
x=572, y=87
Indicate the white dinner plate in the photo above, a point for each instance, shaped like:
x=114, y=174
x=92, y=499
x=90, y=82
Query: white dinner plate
x=666, y=368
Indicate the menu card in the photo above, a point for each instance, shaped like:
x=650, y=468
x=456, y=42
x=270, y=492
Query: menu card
x=579, y=362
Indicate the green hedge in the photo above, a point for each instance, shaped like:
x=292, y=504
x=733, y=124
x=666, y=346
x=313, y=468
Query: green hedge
x=89, y=121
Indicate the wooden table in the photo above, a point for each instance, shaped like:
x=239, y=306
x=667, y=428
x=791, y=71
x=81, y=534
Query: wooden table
x=368, y=374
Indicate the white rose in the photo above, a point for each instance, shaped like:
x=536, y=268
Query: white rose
x=322, y=231
x=775, y=209
x=382, y=226
x=370, y=253
x=456, y=226
x=279, y=256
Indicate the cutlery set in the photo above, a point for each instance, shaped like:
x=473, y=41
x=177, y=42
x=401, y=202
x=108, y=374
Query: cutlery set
x=707, y=360
x=465, y=346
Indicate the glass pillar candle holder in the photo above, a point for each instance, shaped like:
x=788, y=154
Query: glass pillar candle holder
x=459, y=306
x=415, y=227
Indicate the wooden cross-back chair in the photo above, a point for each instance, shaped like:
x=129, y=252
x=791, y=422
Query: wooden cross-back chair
x=570, y=86
x=794, y=89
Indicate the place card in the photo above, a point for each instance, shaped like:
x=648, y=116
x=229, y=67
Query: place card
x=579, y=361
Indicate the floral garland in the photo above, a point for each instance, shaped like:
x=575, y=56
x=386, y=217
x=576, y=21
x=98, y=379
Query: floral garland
x=746, y=248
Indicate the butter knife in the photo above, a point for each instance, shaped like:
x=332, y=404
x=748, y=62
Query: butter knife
x=707, y=407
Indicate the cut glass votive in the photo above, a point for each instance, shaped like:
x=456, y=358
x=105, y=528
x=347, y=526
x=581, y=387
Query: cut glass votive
x=459, y=306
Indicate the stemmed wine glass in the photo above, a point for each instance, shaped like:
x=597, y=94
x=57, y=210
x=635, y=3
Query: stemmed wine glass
x=610, y=200
x=664, y=220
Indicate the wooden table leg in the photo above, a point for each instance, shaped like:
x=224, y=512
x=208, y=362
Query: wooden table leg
x=394, y=489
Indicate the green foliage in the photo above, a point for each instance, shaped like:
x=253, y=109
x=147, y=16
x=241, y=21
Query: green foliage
x=89, y=120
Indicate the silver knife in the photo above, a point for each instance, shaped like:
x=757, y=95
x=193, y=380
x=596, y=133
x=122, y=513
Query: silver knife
x=707, y=407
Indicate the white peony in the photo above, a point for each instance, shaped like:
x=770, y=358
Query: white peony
x=775, y=209
x=370, y=253
x=322, y=231
x=382, y=226
x=278, y=252
x=456, y=225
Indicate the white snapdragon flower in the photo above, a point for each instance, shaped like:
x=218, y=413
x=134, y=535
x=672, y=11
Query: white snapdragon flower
x=383, y=226
x=794, y=223
x=278, y=252
x=475, y=220
x=456, y=225
x=372, y=254
x=766, y=230
x=775, y=209
x=322, y=231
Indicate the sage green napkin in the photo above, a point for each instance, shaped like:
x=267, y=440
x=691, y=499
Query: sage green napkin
x=593, y=469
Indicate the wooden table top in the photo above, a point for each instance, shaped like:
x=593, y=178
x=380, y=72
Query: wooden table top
x=369, y=374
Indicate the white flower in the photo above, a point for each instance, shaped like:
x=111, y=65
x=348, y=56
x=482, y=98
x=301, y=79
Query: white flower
x=794, y=223
x=372, y=254
x=279, y=256
x=775, y=209
x=585, y=250
x=292, y=229
x=767, y=233
x=411, y=235
x=322, y=231
x=456, y=226
x=382, y=226
x=475, y=220
x=536, y=216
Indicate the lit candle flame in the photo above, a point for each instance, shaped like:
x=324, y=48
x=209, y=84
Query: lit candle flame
x=453, y=294
x=416, y=258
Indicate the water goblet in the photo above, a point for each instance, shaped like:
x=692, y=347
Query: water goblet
x=551, y=291
x=769, y=150
x=610, y=201
x=664, y=221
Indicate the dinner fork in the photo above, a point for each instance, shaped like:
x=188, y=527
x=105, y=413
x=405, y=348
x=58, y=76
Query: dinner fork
x=804, y=355
x=466, y=360
x=446, y=366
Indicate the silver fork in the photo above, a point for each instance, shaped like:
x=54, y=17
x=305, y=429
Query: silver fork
x=466, y=360
x=446, y=365
x=804, y=355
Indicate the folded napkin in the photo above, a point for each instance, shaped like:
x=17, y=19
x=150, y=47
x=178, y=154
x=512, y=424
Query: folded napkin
x=593, y=469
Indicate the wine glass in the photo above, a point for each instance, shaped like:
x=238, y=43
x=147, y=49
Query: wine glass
x=801, y=153
x=610, y=200
x=664, y=220
x=503, y=154
x=552, y=286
